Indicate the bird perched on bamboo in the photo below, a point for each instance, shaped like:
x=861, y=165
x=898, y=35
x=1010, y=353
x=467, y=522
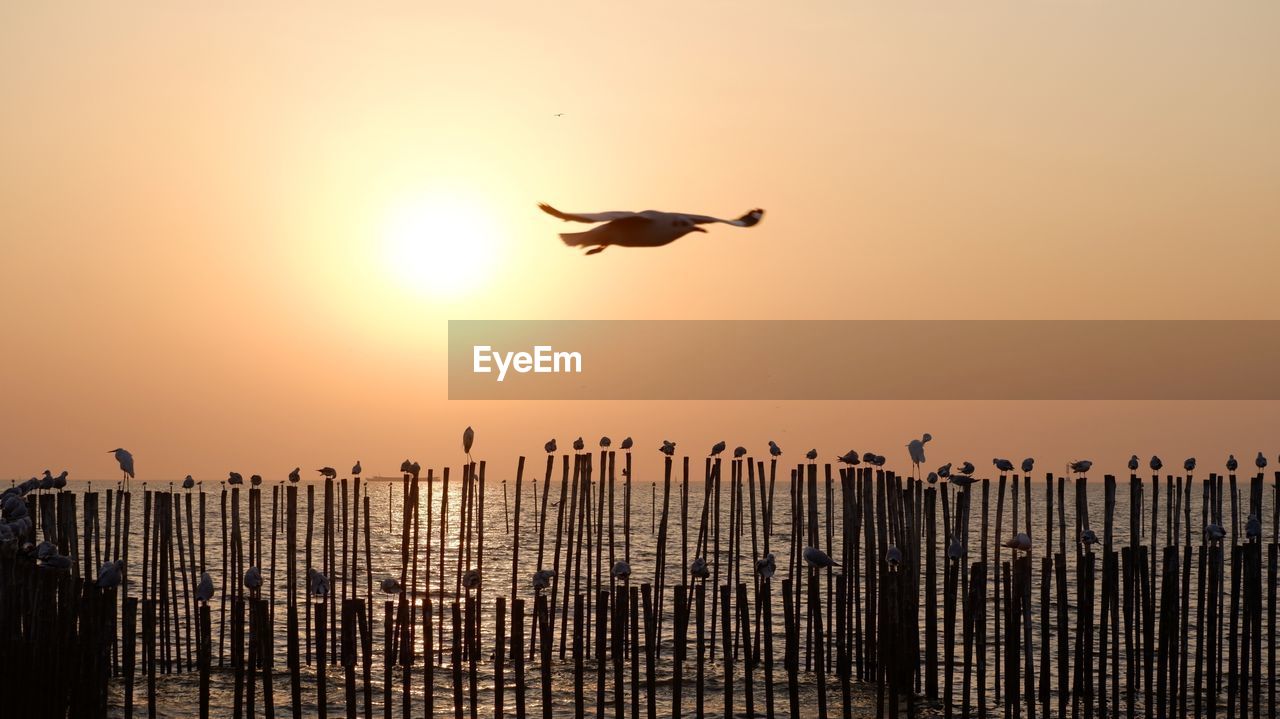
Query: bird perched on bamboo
x=1232, y=464
x=627, y=444
x=188, y=482
x=850, y=458
x=932, y=478
x=605, y=442
x=1027, y=464
x=621, y=570
x=717, y=448
x=1081, y=466
x=1260, y=461
x=774, y=449
x=253, y=580
x=945, y=470
x=811, y=455
x=1156, y=463
x=1253, y=528
x=550, y=446
x=234, y=478
x=879, y=460
x=1088, y=537
x=1214, y=532
x=767, y=566
x=956, y=550
x=542, y=579
x=961, y=480
x=389, y=585
x=125, y=460
x=915, y=449
x=319, y=584
x=406, y=466
x=698, y=568
x=668, y=447
x=1019, y=541
x=1003, y=465
x=579, y=445
x=739, y=452
x=328, y=472
x=204, y=590
x=468, y=439
x=818, y=559
x=1189, y=464
x=650, y=228
x=256, y=480
x=356, y=469
x=869, y=457
x=296, y=475
x=471, y=580
x=60, y=481
x=893, y=557
x=966, y=468
x=1133, y=463
x=111, y=574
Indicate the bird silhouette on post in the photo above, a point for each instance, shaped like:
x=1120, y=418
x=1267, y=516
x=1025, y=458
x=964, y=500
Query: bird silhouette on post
x=915, y=449
x=125, y=460
x=468, y=439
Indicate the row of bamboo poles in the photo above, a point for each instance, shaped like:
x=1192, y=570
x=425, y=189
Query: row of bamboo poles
x=1158, y=634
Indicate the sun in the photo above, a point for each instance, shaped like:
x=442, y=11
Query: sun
x=442, y=245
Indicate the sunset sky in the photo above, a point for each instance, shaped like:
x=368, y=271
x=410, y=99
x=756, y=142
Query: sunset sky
x=232, y=235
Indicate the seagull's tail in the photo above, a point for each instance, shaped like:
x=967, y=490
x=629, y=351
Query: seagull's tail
x=578, y=239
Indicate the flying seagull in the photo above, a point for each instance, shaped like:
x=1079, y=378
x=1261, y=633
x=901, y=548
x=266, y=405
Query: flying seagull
x=650, y=228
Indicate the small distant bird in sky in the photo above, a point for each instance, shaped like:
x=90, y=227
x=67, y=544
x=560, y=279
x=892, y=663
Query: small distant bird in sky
x=1027, y=464
x=356, y=470
x=550, y=446
x=811, y=455
x=1232, y=464
x=1189, y=464
x=650, y=228
x=1081, y=466
x=558, y=114
x=817, y=558
x=468, y=439
x=668, y=447
x=627, y=443
x=915, y=448
x=849, y=458
x=774, y=449
x=717, y=448
x=579, y=445
x=1156, y=464
x=1133, y=463
x=1003, y=465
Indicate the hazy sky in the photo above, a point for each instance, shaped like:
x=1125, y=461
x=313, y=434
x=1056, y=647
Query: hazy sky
x=232, y=236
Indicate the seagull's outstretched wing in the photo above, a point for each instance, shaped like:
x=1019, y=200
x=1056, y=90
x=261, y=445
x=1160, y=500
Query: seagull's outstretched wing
x=588, y=217
x=746, y=220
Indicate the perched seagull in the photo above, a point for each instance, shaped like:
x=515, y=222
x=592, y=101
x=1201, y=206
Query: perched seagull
x=869, y=457
x=818, y=558
x=1003, y=465
x=1260, y=461
x=1232, y=464
x=57, y=562
x=1189, y=464
x=60, y=481
x=468, y=439
x=956, y=550
x=945, y=470
x=204, y=590
x=739, y=452
x=1019, y=541
x=915, y=448
x=932, y=478
x=125, y=459
x=1027, y=464
x=415, y=469
x=45, y=550
x=234, y=478
x=579, y=445
x=319, y=583
x=355, y=471
x=1156, y=464
x=328, y=472
x=1133, y=463
x=605, y=441
x=650, y=228
x=879, y=460
x=811, y=455
x=621, y=570
x=961, y=480
x=774, y=449
x=699, y=568
x=767, y=566
x=46, y=482
x=406, y=467
x=389, y=585
x=550, y=446
x=966, y=468
x=471, y=580
x=1081, y=466
x=295, y=476
x=1253, y=528
x=256, y=480
x=110, y=574
x=668, y=447
x=542, y=579
x=717, y=448
x=1214, y=532
x=893, y=556
x=253, y=579
x=1088, y=537
x=189, y=482
x=849, y=458
x=627, y=443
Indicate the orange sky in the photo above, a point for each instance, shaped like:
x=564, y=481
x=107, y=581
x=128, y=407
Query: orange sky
x=207, y=257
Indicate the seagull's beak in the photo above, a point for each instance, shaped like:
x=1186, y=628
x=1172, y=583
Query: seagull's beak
x=697, y=229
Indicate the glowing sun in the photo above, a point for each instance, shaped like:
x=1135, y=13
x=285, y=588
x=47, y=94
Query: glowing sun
x=441, y=244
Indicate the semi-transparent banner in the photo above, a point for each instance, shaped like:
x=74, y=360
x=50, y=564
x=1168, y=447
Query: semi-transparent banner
x=864, y=359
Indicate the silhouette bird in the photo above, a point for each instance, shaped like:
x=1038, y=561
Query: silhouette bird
x=966, y=468
x=406, y=467
x=893, y=556
x=471, y=580
x=389, y=585
x=295, y=476
x=1260, y=461
x=869, y=457
x=1253, y=528
x=698, y=568
x=956, y=550
x=234, y=478
x=253, y=579
x=255, y=480
x=14, y=507
x=1133, y=463
x=46, y=549
x=850, y=458
x=110, y=574
x=204, y=590
x=668, y=447
x=125, y=460
x=627, y=443
x=319, y=582
x=1156, y=464
x=468, y=439
x=1232, y=464
x=542, y=579
x=915, y=448
x=932, y=478
x=962, y=480
x=774, y=449
x=1088, y=537
x=879, y=460
x=1019, y=541
x=1003, y=465
x=605, y=441
x=579, y=445
x=328, y=472
x=57, y=562
x=945, y=470
x=739, y=452
x=188, y=482
x=46, y=481
x=60, y=481
x=817, y=558
x=550, y=446
x=356, y=470
x=1214, y=532
x=717, y=448
x=650, y=228
x=767, y=566
x=1081, y=466
x=415, y=469
x=621, y=570
x=811, y=455
x=1028, y=464
x=1189, y=464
